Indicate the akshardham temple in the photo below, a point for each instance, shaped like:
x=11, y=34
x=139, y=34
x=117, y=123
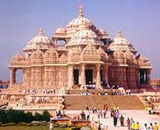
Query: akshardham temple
x=80, y=54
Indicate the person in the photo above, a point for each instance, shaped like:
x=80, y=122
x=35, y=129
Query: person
x=131, y=121
x=150, y=127
x=104, y=114
x=114, y=119
x=145, y=127
x=99, y=127
x=51, y=126
x=128, y=122
x=155, y=126
x=133, y=125
x=87, y=108
x=117, y=113
x=122, y=120
x=137, y=127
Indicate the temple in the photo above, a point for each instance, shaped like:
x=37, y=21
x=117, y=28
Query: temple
x=80, y=54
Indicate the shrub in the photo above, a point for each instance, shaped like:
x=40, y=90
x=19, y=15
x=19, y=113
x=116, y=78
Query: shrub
x=22, y=123
x=35, y=123
x=11, y=124
x=63, y=125
x=86, y=128
x=46, y=116
x=43, y=123
x=75, y=128
x=38, y=117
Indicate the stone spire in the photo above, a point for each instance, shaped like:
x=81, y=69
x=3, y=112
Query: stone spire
x=80, y=12
x=41, y=33
x=119, y=33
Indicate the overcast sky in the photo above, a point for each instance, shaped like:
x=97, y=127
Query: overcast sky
x=139, y=21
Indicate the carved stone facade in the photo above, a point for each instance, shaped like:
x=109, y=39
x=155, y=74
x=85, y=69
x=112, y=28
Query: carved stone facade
x=89, y=56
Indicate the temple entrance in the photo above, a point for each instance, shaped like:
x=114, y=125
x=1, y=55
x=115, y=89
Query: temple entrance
x=76, y=76
x=143, y=76
x=89, y=76
x=19, y=76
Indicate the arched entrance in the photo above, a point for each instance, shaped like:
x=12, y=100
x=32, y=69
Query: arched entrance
x=89, y=76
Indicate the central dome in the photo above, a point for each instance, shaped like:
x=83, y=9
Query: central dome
x=80, y=20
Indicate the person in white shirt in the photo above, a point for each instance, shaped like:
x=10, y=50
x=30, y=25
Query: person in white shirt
x=145, y=127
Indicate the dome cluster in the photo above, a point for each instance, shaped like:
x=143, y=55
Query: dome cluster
x=82, y=39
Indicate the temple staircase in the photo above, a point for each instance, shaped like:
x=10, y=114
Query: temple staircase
x=78, y=102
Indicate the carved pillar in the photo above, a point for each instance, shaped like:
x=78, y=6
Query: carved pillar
x=32, y=76
x=83, y=76
x=80, y=71
x=27, y=77
x=98, y=79
x=70, y=76
x=148, y=76
x=12, y=76
x=106, y=73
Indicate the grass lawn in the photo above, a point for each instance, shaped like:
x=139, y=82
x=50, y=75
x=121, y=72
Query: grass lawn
x=31, y=128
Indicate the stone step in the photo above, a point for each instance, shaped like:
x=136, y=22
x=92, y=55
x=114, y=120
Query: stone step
x=124, y=102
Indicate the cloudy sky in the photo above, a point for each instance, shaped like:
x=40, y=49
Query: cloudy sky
x=139, y=21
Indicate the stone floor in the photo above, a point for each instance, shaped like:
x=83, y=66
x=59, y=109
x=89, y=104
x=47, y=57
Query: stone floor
x=140, y=116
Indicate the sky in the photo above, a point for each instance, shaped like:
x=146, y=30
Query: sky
x=139, y=21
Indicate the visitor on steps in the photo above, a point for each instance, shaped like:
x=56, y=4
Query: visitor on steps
x=99, y=127
x=137, y=126
x=51, y=126
x=155, y=126
x=114, y=119
x=133, y=126
x=131, y=121
x=150, y=127
x=87, y=108
x=128, y=122
x=122, y=120
x=145, y=127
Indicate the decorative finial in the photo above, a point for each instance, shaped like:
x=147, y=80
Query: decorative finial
x=80, y=12
x=119, y=33
x=41, y=31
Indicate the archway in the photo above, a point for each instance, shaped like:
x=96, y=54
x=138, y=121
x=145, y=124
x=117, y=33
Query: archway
x=89, y=76
x=61, y=42
x=19, y=76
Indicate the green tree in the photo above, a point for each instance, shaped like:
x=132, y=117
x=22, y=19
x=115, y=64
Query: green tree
x=46, y=116
x=38, y=117
x=3, y=116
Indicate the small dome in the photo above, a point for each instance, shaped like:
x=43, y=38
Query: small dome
x=143, y=61
x=84, y=37
x=61, y=30
x=18, y=56
x=101, y=31
x=39, y=42
x=122, y=44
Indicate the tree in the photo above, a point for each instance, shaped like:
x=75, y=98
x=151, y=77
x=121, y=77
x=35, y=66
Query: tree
x=3, y=116
x=46, y=116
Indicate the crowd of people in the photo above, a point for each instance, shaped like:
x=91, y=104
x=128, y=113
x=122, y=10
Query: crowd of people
x=152, y=104
x=132, y=125
x=108, y=92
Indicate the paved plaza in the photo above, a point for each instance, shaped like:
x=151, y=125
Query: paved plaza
x=140, y=116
